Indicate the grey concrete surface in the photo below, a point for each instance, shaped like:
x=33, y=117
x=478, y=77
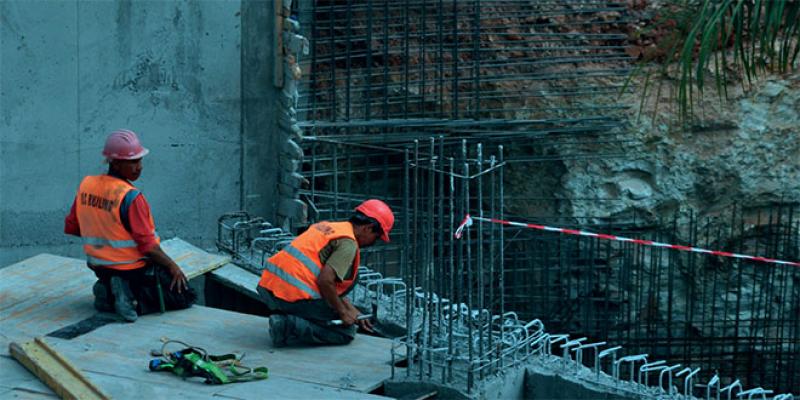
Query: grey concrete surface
x=194, y=79
x=546, y=385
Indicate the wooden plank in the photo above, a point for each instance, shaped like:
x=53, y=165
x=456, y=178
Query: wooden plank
x=46, y=292
x=55, y=371
x=193, y=260
x=361, y=366
x=42, y=294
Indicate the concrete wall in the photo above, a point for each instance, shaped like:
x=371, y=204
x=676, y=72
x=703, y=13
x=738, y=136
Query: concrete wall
x=193, y=78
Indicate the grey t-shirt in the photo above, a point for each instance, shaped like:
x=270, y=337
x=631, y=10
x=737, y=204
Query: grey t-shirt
x=339, y=254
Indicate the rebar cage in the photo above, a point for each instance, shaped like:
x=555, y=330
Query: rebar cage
x=423, y=104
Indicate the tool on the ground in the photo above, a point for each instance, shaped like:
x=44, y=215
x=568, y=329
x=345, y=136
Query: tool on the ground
x=359, y=318
x=195, y=361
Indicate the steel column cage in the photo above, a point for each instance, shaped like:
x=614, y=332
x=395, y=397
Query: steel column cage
x=408, y=100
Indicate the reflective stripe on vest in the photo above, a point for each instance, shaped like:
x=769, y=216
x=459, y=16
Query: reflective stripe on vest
x=291, y=274
x=291, y=280
x=309, y=263
x=105, y=263
x=96, y=241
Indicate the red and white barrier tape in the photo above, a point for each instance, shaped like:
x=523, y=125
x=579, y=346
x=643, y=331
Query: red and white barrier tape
x=468, y=221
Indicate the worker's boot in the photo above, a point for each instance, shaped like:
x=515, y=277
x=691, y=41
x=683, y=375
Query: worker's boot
x=102, y=302
x=277, y=330
x=124, y=303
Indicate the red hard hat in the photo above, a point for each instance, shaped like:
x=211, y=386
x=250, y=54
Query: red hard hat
x=381, y=212
x=124, y=145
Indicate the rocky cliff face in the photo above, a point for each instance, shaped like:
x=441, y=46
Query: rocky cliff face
x=745, y=150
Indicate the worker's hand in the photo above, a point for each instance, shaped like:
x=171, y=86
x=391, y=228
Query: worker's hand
x=365, y=324
x=349, y=316
x=178, y=279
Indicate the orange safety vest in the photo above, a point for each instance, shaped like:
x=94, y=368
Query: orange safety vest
x=291, y=274
x=106, y=242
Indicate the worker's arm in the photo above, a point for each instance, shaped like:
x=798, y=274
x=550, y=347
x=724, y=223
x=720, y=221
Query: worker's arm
x=365, y=324
x=326, y=281
x=71, y=226
x=144, y=234
x=161, y=258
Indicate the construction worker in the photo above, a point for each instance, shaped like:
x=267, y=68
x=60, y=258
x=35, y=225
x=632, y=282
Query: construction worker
x=305, y=284
x=119, y=238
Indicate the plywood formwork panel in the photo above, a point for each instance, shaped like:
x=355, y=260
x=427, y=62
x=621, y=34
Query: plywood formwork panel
x=115, y=358
x=46, y=292
x=124, y=349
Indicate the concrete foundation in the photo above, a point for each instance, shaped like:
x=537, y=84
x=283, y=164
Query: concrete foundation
x=532, y=382
x=546, y=386
x=194, y=79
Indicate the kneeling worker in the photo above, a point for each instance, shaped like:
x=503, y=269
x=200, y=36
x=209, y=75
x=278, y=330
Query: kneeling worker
x=305, y=284
x=119, y=239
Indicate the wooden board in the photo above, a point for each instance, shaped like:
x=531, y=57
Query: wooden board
x=115, y=357
x=42, y=294
x=47, y=292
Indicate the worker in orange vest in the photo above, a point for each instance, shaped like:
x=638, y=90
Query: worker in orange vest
x=122, y=248
x=305, y=284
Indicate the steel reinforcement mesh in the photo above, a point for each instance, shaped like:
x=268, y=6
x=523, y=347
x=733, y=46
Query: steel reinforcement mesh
x=383, y=78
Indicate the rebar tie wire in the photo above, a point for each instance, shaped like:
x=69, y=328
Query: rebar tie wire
x=468, y=221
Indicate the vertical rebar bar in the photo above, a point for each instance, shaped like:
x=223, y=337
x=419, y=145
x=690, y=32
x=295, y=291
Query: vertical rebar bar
x=348, y=60
x=469, y=280
x=476, y=60
x=335, y=167
x=492, y=259
x=404, y=262
x=406, y=64
x=429, y=242
x=385, y=63
x=454, y=73
x=421, y=47
x=368, y=92
x=501, y=258
x=332, y=63
x=480, y=243
x=451, y=273
x=440, y=75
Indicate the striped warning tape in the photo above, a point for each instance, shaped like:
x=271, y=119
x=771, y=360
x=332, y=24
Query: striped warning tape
x=468, y=220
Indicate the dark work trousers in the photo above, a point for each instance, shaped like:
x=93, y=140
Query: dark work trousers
x=307, y=321
x=144, y=286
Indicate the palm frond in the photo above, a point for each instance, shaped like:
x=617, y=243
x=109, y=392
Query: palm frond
x=746, y=38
